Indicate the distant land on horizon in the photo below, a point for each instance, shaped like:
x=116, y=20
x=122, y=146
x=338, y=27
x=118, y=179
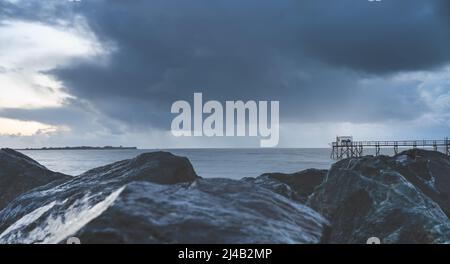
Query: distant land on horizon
x=78, y=148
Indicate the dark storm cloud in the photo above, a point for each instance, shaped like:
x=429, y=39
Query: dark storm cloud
x=169, y=49
x=308, y=54
x=384, y=37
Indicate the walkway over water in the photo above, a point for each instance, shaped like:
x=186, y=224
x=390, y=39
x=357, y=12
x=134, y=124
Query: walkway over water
x=345, y=147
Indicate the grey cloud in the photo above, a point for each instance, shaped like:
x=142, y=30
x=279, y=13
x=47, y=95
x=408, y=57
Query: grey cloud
x=378, y=38
x=50, y=11
x=310, y=55
x=80, y=116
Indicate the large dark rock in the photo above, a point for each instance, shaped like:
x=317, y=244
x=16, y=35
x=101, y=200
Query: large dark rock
x=398, y=199
x=157, y=198
x=297, y=186
x=206, y=211
x=427, y=170
x=19, y=174
x=159, y=167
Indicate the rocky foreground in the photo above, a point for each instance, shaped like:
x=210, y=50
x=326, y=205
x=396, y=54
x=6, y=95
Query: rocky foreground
x=158, y=198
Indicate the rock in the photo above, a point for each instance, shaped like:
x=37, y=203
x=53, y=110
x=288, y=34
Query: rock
x=297, y=186
x=19, y=174
x=427, y=170
x=385, y=197
x=206, y=211
x=159, y=167
x=157, y=198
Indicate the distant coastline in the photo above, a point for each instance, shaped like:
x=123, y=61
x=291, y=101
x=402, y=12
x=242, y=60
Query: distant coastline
x=79, y=148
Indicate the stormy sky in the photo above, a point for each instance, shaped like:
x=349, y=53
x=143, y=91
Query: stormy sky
x=106, y=72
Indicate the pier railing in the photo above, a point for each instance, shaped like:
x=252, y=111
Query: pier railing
x=349, y=149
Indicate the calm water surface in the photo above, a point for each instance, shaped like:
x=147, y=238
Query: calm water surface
x=224, y=163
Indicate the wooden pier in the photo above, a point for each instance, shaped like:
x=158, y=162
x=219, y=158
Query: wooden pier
x=345, y=147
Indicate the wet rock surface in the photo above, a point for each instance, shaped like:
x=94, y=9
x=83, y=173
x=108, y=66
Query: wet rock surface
x=19, y=174
x=429, y=171
x=205, y=211
x=399, y=199
x=158, y=198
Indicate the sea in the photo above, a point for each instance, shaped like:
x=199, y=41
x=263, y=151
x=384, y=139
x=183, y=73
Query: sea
x=208, y=163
